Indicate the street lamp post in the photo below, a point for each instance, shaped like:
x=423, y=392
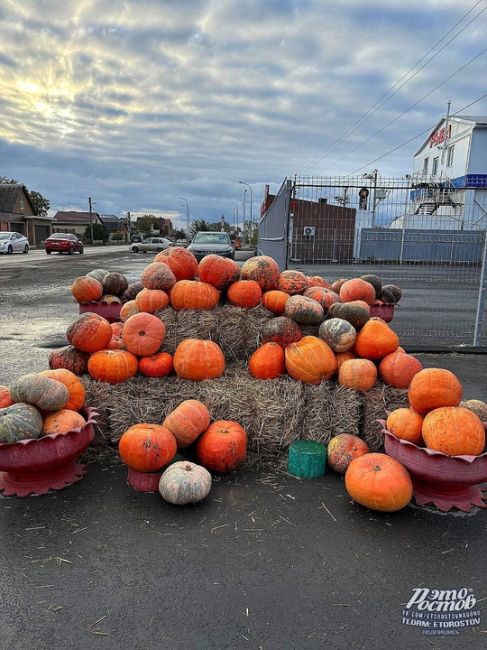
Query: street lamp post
x=187, y=215
x=245, y=196
x=251, y=220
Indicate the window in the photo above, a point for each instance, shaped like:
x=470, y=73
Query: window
x=425, y=166
x=434, y=169
x=449, y=156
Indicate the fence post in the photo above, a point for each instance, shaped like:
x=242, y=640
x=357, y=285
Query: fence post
x=479, y=316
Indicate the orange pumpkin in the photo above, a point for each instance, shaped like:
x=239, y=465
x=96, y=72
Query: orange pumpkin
x=89, y=333
x=357, y=289
x=275, y=301
x=180, y=260
x=406, y=424
x=218, y=271
x=280, y=330
x=116, y=343
x=342, y=449
x=263, y=269
x=325, y=297
x=267, y=362
x=117, y=328
x=157, y=365
x=292, y=282
x=310, y=360
x=143, y=334
x=198, y=359
x=318, y=281
x=188, y=294
x=151, y=300
x=223, y=446
x=112, y=366
x=158, y=276
x=76, y=389
x=343, y=356
x=336, y=285
x=379, y=482
x=128, y=309
x=5, y=398
x=376, y=340
x=188, y=421
x=432, y=388
x=244, y=293
x=398, y=369
x=360, y=374
x=455, y=431
x=86, y=289
x=147, y=447
x=62, y=421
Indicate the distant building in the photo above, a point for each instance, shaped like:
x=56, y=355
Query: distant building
x=165, y=227
x=17, y=214
x=74, y=222
x=115, y=226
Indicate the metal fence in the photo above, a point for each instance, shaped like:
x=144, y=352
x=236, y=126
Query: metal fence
x=427, y=237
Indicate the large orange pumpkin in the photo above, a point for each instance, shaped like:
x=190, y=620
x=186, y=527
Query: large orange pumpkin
x=406, y=424
x=376, y=340
x=318, y=281
x=344, y=356
x=128, y=309
x=89, y=332
x=62, y=421
x=398, y=369
x=158, y=276
x=157, y=365
x=180, y=260
x=147, y=447
x=244, y=293
x=151, y=300
x=143, y=334
x=5, y=398
x=218, y=271
x=342, y=449
x=189, y=294
x=223, y=446
x=188, y=421
x=455, y=431
x=86, y=289
x=112, y=366
x=292, y=282
x=379, y=482
x=280, y=330
x=357, y=289
x=267, y=362
x=275, y=301
x=325, y=297
x=198, y=359
x=310, y=360
x=360, y=374
x=76, y=389
x=432, y=388
x=263, y=269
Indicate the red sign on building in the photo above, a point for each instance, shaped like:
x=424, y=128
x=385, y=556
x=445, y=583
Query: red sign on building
x=439, y=136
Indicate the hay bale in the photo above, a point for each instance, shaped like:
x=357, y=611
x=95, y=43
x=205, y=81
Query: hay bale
x=329, y=411
x=377, y=404
x=96, y=392
x=169, y=316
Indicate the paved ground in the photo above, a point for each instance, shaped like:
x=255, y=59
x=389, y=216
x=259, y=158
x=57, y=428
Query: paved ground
x=266, y=562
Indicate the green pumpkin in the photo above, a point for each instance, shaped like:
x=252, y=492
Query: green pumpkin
x=338, y=333
x=41, y=391
x=355, y=314
x=98, y=274
x=20, y=422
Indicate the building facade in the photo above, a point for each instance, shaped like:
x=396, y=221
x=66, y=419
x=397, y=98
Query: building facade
x=17, y=214
x=74, y=222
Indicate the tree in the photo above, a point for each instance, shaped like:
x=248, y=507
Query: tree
x=179, y=233
x=99, y=232
x=146, y=223
x=40, y=204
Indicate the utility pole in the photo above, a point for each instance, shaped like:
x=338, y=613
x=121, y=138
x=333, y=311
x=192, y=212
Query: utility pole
x=91, y=219
x=247, y=235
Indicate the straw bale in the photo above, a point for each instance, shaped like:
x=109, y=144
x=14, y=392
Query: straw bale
x=377, y=404
x=169, y=316
x=330, y=410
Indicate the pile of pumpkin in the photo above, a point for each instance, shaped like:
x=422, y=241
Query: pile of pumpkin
x=219, y=446
x=36, y=405
x=101, y=286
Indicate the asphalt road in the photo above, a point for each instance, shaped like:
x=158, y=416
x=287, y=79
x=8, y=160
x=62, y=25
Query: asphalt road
x=266, y=561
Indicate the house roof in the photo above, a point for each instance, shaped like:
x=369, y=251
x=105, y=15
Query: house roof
x=9, y=193
x=111, y=222
x=478, y=121
x=73, y=217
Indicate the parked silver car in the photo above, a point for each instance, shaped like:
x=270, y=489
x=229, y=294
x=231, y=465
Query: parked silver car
x=206, y=242
x=150, y=244
x=13, y=242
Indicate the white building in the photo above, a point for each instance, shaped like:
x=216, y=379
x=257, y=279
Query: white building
x=449, y=179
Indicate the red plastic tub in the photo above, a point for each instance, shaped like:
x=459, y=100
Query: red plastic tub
x=109, y=311
x=386, y=312
x=144, y=481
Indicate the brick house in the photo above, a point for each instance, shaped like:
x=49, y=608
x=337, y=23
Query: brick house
x=74, y=222
x=17, y=214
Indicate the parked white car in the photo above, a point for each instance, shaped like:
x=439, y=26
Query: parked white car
x=13, y=242
x=151, y=244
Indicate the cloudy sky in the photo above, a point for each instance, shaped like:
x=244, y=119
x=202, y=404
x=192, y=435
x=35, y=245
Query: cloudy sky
x=138, y=103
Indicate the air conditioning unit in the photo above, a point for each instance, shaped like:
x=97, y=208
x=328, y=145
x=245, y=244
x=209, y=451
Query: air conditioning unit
x=309, y=231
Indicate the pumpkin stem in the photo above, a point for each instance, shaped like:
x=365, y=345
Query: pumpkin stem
x=377, y=468
x=187, y=468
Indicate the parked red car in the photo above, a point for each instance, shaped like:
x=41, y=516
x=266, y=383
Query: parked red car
x=63, y=243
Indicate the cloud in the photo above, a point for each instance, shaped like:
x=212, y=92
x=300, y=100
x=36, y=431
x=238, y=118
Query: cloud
x=140, y=102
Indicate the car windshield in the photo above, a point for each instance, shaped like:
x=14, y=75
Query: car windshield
x=59, y=235
x=211, y=238
x=4, y=235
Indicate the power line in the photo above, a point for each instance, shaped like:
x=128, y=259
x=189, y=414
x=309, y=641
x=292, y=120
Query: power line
x=415, y=137
x=389, y=94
